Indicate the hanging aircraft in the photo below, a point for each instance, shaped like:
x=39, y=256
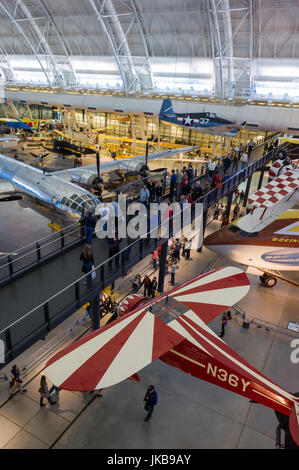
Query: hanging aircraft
x=62, y=196
x=172, y=328
x=205, y=122
x=268, y=237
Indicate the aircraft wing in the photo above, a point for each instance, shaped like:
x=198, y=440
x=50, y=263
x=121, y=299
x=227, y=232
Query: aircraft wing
x=15, y=123
x=272, y=200
x=115, y=352
x=125, y=164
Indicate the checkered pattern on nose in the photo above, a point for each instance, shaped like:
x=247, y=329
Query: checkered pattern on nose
x=277, y=190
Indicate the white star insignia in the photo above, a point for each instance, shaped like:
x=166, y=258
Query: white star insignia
x=188, y=120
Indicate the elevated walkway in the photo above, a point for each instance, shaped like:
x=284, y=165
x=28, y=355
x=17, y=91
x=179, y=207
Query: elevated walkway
x=48, y=292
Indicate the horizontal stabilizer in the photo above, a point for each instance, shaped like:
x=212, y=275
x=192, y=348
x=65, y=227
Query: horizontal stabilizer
x=122, y=348
x=113, y=353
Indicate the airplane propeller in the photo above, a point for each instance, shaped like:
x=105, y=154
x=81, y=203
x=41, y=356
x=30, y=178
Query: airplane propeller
x=99, y=180
x=39, y=158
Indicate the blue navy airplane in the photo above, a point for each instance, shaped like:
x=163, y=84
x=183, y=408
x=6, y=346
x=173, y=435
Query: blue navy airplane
x=205, y=122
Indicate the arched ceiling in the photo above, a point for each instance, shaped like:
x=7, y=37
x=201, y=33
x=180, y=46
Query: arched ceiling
x=223, y=47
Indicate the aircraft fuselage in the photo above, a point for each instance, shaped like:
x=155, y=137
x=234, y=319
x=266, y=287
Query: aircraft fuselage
x=273, y=248
x=53, y=197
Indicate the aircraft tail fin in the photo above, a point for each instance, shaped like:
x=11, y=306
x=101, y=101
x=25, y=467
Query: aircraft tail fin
x=166, y=107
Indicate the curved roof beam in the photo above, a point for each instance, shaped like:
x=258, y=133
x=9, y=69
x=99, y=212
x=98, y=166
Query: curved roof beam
x=112, y=27
x=144, y=36
x=61, y=38
x=54, y=66
x=216, y=45
x=228, y=34
x=31, y=47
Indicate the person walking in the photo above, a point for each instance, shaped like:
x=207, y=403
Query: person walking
x=226, y=316
x=136, y=283
x=211, y=168
x=151, y=399
x=217, y=211
x=178, y=182
x=144, y=195
x=236, y=211
x=159, y=192
x=177, y=247
x=244, y=160
x=251, y=144
x=172, y=184
x=16, y=381
x=87, y=258
x=173, y=271
x=44, y=392
x=147, y=284
x=227, y=162
x=225, y=219
x=235, y=161
x=190, y=174
x=89, y=221
x=188, y=245
x=154, y=287
x=155, y=258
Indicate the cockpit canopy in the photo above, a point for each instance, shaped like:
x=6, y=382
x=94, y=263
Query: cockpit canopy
x=77, y=202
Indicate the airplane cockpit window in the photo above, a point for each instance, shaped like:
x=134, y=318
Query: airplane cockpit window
x=74, y=206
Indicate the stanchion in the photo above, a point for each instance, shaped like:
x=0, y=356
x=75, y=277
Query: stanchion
x=95, y=312
x=162, y=266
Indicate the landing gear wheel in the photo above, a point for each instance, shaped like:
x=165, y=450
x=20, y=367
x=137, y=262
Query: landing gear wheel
x=268, y=281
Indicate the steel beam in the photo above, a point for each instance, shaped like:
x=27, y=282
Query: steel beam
x=30, y=45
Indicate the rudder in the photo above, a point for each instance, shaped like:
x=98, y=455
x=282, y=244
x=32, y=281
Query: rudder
x=166, y=107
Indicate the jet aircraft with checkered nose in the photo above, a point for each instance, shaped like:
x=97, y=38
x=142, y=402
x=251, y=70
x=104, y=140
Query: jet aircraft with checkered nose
x=268, y=237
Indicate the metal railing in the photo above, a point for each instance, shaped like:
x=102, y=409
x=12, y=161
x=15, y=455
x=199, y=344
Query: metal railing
x=269, y=326
x=53, y=245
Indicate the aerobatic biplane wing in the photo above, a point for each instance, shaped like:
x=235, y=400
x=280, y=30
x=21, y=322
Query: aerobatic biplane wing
x=117, y=351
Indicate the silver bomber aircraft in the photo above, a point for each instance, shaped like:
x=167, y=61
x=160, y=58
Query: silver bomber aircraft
x=62, y=196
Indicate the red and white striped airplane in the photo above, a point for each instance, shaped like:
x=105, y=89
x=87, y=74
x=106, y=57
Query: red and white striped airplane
x=173, y=328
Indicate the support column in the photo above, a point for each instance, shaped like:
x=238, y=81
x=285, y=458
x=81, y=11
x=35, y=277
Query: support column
x=247, y=191
x=162, y=266
x=204, y=223
x=261, y=179
x=95, y=312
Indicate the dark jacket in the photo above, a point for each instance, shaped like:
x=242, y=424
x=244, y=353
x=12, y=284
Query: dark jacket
x=89, y=221
x=151, y=398
x=86, y=259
